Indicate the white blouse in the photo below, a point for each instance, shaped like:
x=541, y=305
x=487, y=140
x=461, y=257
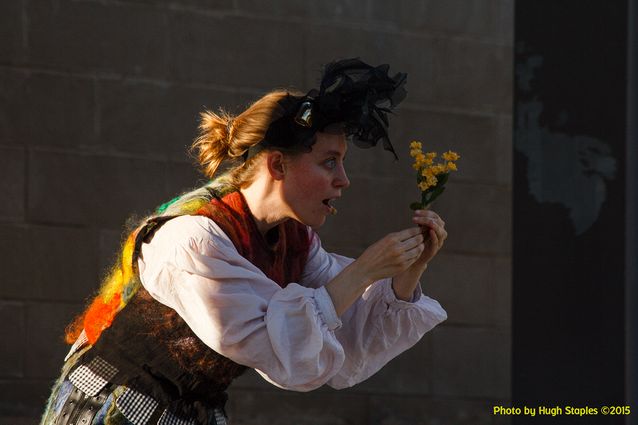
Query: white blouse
x=292, y=336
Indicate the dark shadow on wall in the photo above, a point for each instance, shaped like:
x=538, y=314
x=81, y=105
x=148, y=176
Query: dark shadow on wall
x=569, y=208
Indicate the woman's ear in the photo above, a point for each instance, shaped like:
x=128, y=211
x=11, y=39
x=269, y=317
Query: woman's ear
x=276, y=165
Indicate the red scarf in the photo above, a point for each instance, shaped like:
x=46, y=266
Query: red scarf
x=282, y=260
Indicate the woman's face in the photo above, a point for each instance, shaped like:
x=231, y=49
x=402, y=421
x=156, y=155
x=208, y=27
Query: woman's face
x=314, y=179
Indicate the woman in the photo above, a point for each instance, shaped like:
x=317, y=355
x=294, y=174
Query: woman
x=232, y=275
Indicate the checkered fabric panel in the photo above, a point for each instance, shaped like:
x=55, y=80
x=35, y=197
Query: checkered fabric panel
x=220, y=419
x=136, y=407
x=168, y=418
x=79, y=343
x=92, y=377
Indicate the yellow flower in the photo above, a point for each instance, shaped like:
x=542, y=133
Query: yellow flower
x=415, y=145
x=427, y=172
x=420, y=159
x=450, y=156
x=438, y=169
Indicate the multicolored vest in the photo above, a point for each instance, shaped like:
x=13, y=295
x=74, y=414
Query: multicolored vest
x=148, y=346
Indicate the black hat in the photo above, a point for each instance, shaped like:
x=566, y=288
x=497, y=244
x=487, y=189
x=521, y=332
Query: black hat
x=352, y=94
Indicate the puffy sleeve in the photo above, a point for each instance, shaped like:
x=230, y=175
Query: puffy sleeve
x=287, y=335
x=378, y=326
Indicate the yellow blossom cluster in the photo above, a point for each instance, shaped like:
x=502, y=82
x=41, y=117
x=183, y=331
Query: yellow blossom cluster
x=424, y=164
x=450, y=156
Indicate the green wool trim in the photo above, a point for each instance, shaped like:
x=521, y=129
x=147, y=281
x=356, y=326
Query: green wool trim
x=165, y=205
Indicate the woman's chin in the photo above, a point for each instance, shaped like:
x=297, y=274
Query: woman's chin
x=313, y=222
x=319, y=224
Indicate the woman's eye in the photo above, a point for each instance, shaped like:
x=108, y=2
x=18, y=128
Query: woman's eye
x=331, y=163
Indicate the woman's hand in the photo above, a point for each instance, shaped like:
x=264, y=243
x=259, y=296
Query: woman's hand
x=387, y=257
x=433, y=227
x=401, y=255
x=391, y=255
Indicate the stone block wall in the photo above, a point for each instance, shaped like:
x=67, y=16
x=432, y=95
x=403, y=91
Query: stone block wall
x=99, y=102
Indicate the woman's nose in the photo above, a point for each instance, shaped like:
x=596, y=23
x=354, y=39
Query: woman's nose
x=342, y=180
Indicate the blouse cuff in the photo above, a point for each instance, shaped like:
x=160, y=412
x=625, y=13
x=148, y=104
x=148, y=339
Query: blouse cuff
x=391, y=298
x=327, y=308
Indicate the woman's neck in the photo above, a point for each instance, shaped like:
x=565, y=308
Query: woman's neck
x=265, y=205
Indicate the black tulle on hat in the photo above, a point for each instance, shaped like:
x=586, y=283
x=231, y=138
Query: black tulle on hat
x=353, y=94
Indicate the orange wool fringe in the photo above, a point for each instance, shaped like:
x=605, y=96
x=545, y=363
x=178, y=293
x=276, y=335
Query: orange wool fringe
x=100, y=314
x=122, y=283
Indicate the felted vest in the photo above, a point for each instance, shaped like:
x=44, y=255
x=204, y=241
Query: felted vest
x=152, y=347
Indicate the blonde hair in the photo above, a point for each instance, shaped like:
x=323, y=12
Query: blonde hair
x=224, y=137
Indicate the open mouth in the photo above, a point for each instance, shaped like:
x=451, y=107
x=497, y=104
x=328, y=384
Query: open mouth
x=331, y=209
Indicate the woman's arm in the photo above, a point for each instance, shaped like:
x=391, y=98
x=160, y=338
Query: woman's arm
x=286, y=334
x=391, y=255
x=378, y=326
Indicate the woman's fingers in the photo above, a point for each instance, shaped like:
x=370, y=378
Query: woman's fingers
x=406, y=234
x=428, y=221
x=432, y=221
x=434, y=239
x=425, y=221
x=413, y=241
x=413, y=253
x=399, y=250
x=426, y=213
x=437, y=237
x=443, y=235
